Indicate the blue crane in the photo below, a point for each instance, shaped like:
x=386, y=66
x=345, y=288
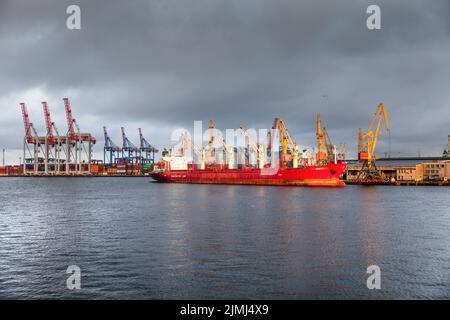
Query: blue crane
x=147, y=148
x=110, y=148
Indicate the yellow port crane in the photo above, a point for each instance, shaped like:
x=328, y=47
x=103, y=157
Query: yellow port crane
x=258, y=148
x=287, y=141
x=367, y=143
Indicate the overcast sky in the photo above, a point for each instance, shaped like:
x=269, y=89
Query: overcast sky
x=162, y=64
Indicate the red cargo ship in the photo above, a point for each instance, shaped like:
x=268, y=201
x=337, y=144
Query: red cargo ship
x=325, y=171
x=327, y=175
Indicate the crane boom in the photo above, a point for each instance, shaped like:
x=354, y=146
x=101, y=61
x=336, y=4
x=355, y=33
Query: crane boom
x=141, y=138
x=105, y=135
x=258, y=148
x=228, y=149
x=124, y=138
x=27, y=124
x=287, y=141
x=382, y=114
x=48, y=123
x=321, y=136
x=360, y=141
x=57, y=132
x=109, y=144
x=186, y=140
x=145, y=145
x=127, y=145
x=366, y=149
x=70, y=121
x=328, y=145
x=211, y=139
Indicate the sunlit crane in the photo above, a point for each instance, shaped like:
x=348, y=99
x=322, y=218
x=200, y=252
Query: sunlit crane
x=187, y=142
x=229, y=150
x=367, y=143
x=447, y=151
x=329, y=147
x=287, y=142
x=211, y=140
x=258, y=148
x=342, y=152
x=321, y=155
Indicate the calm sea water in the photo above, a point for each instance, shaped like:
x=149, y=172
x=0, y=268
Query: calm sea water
x=134, y=239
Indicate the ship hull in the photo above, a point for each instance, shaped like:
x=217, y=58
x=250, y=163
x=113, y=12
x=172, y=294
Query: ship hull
x=313, y=176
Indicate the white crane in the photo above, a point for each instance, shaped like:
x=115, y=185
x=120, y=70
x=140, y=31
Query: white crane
x=201, y=153
x=258, y=148
x=229, y=151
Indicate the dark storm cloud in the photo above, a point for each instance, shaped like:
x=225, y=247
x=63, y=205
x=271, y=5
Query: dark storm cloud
x=162, y=64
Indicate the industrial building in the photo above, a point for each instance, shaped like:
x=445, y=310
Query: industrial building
x=433, y=171
x=448, y=147
x=406, y=174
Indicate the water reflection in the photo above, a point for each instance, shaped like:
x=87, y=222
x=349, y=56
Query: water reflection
x=201, y=241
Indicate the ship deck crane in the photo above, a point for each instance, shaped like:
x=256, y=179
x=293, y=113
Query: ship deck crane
x=211, y=140
x=287, y=141
x=367, y=143
x=201, y=153
x=229, y=150
x=327, y=150
x=258, y=148
x=330, y=148
x=342, y=152
x=321, y=134
x=447, y=152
